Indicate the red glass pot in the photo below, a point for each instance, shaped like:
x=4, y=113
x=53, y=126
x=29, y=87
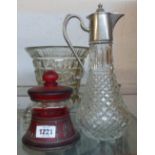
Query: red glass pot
x=51, y=127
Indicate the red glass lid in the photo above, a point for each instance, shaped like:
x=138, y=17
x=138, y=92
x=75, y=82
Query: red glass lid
x=51, y=91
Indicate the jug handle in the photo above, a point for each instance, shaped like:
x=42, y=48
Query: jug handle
x=65, y=23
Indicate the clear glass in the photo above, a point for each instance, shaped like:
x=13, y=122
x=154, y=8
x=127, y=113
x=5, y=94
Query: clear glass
x=62, y=60
x=102, y=115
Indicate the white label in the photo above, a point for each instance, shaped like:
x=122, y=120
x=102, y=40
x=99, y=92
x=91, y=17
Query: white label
x=43, y=131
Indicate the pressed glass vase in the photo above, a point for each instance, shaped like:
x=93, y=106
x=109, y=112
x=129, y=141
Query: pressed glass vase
x=62, y=60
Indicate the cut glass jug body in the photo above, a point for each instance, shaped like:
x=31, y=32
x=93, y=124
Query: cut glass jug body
x=102, y=115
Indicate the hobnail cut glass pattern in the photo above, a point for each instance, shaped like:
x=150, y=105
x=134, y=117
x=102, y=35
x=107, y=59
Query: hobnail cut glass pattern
x=102, y=115
x=62, y=60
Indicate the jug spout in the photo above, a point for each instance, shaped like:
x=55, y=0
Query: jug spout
x=115, y=18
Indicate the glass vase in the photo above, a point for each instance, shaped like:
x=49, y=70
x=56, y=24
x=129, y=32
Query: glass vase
x=62, y=60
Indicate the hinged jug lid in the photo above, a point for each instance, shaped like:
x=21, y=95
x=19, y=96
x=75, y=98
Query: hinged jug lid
x=51, y=91
x=102, y=24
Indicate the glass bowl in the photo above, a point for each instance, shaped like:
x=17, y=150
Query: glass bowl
x=62, y=60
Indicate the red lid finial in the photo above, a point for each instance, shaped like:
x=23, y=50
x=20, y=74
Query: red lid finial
x=51, y=91
x=50, y=77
